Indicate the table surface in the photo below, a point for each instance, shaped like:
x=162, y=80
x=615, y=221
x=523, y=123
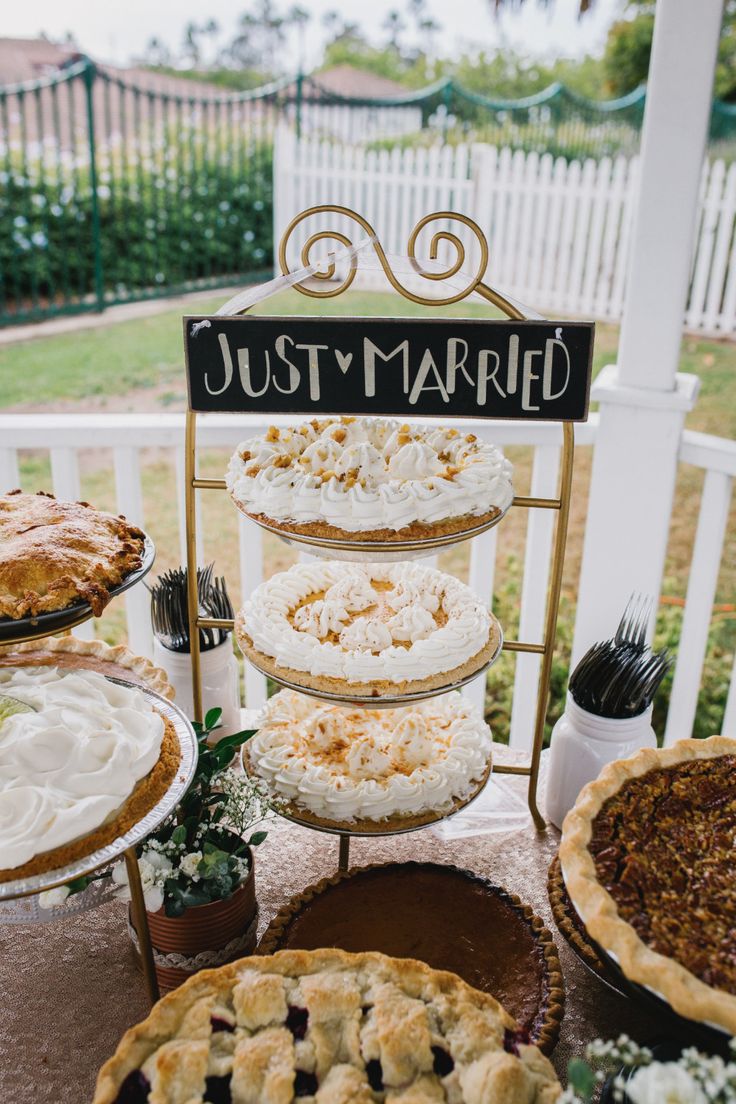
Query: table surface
x=71, y=988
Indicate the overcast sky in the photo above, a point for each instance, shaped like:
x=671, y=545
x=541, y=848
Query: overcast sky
x=116, y=31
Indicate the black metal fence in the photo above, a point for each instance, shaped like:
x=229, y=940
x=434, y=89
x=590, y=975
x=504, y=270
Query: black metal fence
x=110, y=192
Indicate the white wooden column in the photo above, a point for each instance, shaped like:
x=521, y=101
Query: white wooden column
x=643, y=399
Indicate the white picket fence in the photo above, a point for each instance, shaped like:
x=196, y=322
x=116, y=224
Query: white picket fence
x=559, y=231
x=129, y=441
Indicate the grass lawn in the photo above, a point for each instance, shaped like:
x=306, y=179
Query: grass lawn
x=138, y=364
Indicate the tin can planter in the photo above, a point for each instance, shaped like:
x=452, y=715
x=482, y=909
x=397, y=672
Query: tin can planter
x=204, y=936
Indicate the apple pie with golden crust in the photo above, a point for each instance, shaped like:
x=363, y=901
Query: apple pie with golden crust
x=54, y=554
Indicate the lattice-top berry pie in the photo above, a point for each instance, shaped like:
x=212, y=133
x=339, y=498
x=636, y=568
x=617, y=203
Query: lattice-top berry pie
x=328, y=1027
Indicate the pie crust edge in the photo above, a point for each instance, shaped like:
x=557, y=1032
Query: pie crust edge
x=415, y=530
x=155, y=678
x=444, y=680
x=167, y=1014
x=687, y=995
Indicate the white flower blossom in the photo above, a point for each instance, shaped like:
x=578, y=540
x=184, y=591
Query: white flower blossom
x=664, y=1084
x=189, y=863
x=50, y=898
x=153, y=894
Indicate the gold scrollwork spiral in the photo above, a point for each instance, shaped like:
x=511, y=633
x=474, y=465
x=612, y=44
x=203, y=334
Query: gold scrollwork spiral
x=327, y=272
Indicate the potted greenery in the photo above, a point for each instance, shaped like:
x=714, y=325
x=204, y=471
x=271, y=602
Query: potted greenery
x=197, y=868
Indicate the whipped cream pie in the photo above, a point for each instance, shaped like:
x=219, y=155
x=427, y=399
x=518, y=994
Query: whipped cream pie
x=370, y=769
x=372, y=477
x=82, y=759
x=367, y=629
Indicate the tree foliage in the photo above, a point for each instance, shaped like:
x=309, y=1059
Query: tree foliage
x=629, y=46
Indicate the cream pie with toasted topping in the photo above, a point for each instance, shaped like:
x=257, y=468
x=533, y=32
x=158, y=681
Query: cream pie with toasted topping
x=375, y=478
x=370, y=769
x=367, y=630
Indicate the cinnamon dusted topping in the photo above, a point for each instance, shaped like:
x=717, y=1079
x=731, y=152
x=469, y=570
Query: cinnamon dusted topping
x=663, y=847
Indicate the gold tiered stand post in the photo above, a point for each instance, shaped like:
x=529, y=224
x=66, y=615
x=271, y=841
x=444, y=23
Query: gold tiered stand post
x=561, y=503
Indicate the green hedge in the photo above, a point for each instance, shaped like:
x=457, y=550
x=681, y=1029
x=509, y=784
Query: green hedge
x=156, y=231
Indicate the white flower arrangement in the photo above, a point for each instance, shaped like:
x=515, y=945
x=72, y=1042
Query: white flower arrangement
x=694, y=1078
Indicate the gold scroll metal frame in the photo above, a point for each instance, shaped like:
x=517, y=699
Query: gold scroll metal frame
x=560, y=504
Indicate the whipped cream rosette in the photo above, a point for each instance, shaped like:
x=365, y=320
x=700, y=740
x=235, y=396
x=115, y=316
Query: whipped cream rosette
x=367, y=630
x=370, y=478
x=81, y=751
x=370, y=770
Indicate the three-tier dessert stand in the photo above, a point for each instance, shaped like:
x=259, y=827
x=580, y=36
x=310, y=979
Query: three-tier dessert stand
x=44, y=625
x=560, y=504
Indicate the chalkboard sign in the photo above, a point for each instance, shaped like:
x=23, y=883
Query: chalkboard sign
x=451, y=367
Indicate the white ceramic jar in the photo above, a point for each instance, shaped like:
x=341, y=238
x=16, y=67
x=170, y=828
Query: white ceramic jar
x=581, y=745
x=220, y=682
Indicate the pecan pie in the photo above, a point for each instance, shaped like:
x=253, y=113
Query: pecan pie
x=55, y=554
x=370, y=478
x=648, y=856
x=328, y=1027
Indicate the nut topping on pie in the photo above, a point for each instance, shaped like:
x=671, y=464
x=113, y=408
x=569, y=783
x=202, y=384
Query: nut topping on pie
x=369, y=476
x=54, y=554
x=327, y=1027
x=648, y=857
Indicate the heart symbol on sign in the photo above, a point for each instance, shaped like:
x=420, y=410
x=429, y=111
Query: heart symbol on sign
x=344, y=360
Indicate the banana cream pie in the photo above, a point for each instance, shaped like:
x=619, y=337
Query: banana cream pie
x=82, y=760
x=370, y=477
x=367, y=630
x=370, y=769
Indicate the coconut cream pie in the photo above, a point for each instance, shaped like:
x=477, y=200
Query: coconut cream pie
x=374, y=477
x=369, y=769
x=367, y=629
x=329, y=1028
x=82, y=759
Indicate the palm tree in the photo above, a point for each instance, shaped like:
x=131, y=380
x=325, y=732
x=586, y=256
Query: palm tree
x=393, y=24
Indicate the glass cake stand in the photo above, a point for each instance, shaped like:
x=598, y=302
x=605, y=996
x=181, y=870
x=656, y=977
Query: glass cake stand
x=19, y=630
x=125, y=845
x=355, y=550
